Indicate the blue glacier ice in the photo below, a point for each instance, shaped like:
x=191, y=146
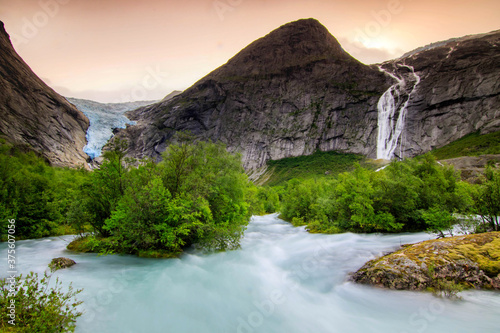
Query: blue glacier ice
x=104, y=117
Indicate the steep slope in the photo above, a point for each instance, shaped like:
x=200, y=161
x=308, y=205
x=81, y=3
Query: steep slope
x=296, y=90
x=287, y=94
x=458, y=92
x=33, y=114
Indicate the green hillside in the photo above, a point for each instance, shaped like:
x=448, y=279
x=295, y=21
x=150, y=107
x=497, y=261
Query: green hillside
x=319, y=164
x=473, y=144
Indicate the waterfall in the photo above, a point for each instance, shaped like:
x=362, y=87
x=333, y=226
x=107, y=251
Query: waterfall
x=392, y=112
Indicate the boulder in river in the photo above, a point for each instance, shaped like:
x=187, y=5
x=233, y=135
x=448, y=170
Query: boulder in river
x=470, y=261
x=61, y=262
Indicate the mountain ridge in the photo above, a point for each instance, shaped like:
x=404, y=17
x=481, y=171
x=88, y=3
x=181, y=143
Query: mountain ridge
x=34, y=115
x=272, y=110
x=329, y=101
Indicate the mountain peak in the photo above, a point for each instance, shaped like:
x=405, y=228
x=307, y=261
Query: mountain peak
x=36, y=116
x=293, y=44
x=3, y=33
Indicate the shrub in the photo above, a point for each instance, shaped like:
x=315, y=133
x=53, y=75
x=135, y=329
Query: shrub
x=38, y=308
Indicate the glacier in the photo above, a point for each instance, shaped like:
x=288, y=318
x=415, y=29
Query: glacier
x=104, y=117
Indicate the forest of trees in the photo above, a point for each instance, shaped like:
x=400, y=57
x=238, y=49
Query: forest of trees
x=199, y=194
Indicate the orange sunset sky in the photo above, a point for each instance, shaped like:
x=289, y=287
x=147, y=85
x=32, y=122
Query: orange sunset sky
x=122, y=50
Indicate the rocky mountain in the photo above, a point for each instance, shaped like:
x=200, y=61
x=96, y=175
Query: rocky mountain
x=458, y=93
x=296, y=90
x=171, y=95
x=33, y=114
x=287, y=94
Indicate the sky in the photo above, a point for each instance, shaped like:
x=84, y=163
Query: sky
x=128, y=50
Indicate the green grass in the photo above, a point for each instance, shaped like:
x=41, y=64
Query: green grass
x=319, y=164
x=473, y=144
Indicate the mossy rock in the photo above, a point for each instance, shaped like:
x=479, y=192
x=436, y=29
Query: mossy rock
x=471, y=261
x=60, y=263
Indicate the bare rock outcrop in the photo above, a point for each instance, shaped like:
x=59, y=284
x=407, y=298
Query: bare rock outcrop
x=34, y=115
x=296, y=90
x=289, y=93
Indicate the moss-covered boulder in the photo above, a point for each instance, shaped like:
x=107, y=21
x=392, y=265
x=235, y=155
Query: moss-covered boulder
x=60, y=263
x=471, y=261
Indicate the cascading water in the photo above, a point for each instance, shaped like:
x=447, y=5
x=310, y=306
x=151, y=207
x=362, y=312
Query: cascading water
x=392, y=112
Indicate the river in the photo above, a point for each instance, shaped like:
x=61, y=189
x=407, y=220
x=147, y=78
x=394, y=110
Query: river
x=283, y=279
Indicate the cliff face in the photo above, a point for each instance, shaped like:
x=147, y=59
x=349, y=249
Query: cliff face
x=35, y=115
x=296, y=90
x=287, y=94
x=458, y=93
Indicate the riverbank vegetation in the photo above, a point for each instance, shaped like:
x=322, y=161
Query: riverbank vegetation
x=320, y=164
x=196, y=195
x=412, y=195
x=35, y=194
x=200, y=195
x=37, y=305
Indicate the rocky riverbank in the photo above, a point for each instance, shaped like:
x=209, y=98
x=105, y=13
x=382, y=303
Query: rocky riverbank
x=471, y=261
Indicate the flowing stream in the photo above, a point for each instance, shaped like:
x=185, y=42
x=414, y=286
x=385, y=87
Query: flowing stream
x=392, y=112
x=283, y=279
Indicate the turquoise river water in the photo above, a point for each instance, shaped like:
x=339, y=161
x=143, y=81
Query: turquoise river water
x=283, y=279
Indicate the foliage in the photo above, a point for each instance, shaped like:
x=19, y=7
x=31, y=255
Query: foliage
x=318, y=165
x=196, y=195
x=99, y=195
x=38, y=307
x=473, y=144
x=439, y=221
x=487, y=200
x=416, y=194
x=35, y=194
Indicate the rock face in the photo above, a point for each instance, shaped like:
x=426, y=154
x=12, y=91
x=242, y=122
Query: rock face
x=287, y=94
x=33, y=114
x=458, y=93
x=471, y=260
x=296, y=90
x=472, y=167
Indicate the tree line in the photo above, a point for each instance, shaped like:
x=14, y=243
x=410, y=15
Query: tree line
x=199, y=194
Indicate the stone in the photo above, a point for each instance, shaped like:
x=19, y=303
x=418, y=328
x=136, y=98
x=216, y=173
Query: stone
x=33, y=115
x=60, y=263
x=471, y=260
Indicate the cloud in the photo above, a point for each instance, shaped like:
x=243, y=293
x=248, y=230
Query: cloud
x=369, y=55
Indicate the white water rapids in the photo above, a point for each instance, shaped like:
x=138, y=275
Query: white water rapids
x=283, y=279
x=392, y=112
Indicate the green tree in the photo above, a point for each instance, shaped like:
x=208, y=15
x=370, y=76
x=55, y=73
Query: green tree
x=487, y=199
x=354, y=195
x=100, y=193
x=195, y=195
